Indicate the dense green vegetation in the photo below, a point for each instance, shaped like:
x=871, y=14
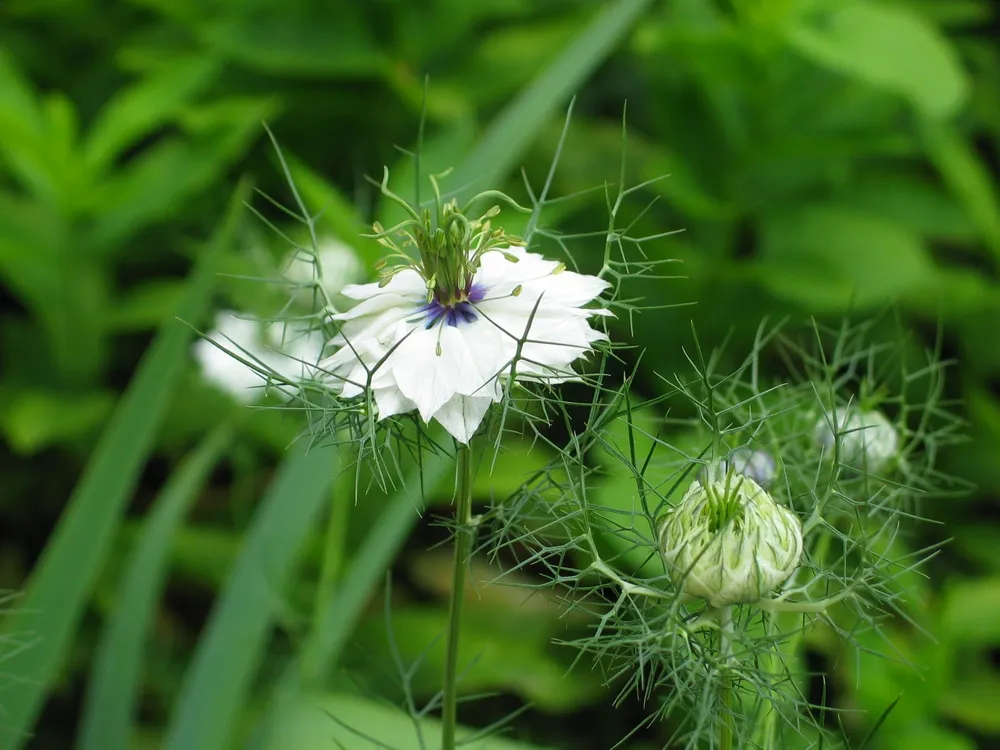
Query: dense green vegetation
x=165, y=547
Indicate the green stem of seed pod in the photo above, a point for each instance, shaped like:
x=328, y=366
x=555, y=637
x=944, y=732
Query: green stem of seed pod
x=725, y=615
x=463, y=544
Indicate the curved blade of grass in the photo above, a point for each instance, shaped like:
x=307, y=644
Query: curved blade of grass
x=114, y=678
x=507, y=139
x=63, y=578
x=367, y=570
x=233, y=642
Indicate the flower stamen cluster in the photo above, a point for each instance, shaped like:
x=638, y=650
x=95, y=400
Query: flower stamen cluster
x=449, y=244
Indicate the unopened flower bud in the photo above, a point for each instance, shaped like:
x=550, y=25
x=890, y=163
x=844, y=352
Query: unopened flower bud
x=728, y=542
x=756, y=464
x=868, y=441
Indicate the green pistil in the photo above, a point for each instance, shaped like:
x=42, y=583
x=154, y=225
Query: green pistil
x=449, y=245
x=722, y=510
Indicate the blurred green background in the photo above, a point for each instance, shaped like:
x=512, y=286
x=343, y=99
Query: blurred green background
x=825, y=157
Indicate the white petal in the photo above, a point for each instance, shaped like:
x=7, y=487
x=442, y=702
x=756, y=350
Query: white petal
x=405, y=283
x=496, y=272
x=430, y=379
x=462, y=415
x=551, y=344
x=391, y=401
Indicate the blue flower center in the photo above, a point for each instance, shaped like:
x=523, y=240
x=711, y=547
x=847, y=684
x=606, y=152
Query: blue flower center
x=461, y=311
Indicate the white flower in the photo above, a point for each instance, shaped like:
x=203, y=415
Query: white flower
x=334, y=265
x=288, y=350
x=868, y=441
x=756, y=464
x=728, y=542
x=446, y=358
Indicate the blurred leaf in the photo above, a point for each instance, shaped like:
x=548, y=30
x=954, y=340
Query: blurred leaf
x=113, y=688
x=911, y=201
x=367, y=569
x=232, y=645
x=963, y=171
x=33, y=420
x=979, y=543
x=198, y=554
x=333, y=628
x=319, y=722
x=500, y=475
x=332, y=211
x=154, y=185
x=148, y=104
x=971, y=612
x=961, y=13
x=144, y=305
x=78, y=547
x=22, y=129
x=828, y=258
x=508, y=56
x=889, y=47
x=500, y=650
x=924, y=735
x=322, y=40
x=972, y=701
x=508, y=137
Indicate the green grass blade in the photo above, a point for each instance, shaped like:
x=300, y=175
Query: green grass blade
x=508, y=138
x=367, y=570
x=232, y=645
x=114, y=678
x=75, y=553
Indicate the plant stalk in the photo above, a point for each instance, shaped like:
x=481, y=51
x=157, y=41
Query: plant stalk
x=725, y=654
x=463, y=544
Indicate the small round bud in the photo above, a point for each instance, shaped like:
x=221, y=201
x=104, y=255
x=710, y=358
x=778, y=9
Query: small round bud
x=868, y=441
x=756, y=464
x=728, y=542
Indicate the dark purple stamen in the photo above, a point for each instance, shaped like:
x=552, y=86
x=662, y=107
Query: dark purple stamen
x=461, y=312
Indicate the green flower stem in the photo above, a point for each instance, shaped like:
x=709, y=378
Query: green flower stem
x=784, y=621
x=463, y=544
x=725, y=615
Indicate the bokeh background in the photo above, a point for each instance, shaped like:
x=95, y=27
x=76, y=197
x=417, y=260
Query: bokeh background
x=825, y=158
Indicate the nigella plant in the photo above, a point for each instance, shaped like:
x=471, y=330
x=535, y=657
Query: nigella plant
x=467, y=334
x=716, y=532
x=462, y=313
